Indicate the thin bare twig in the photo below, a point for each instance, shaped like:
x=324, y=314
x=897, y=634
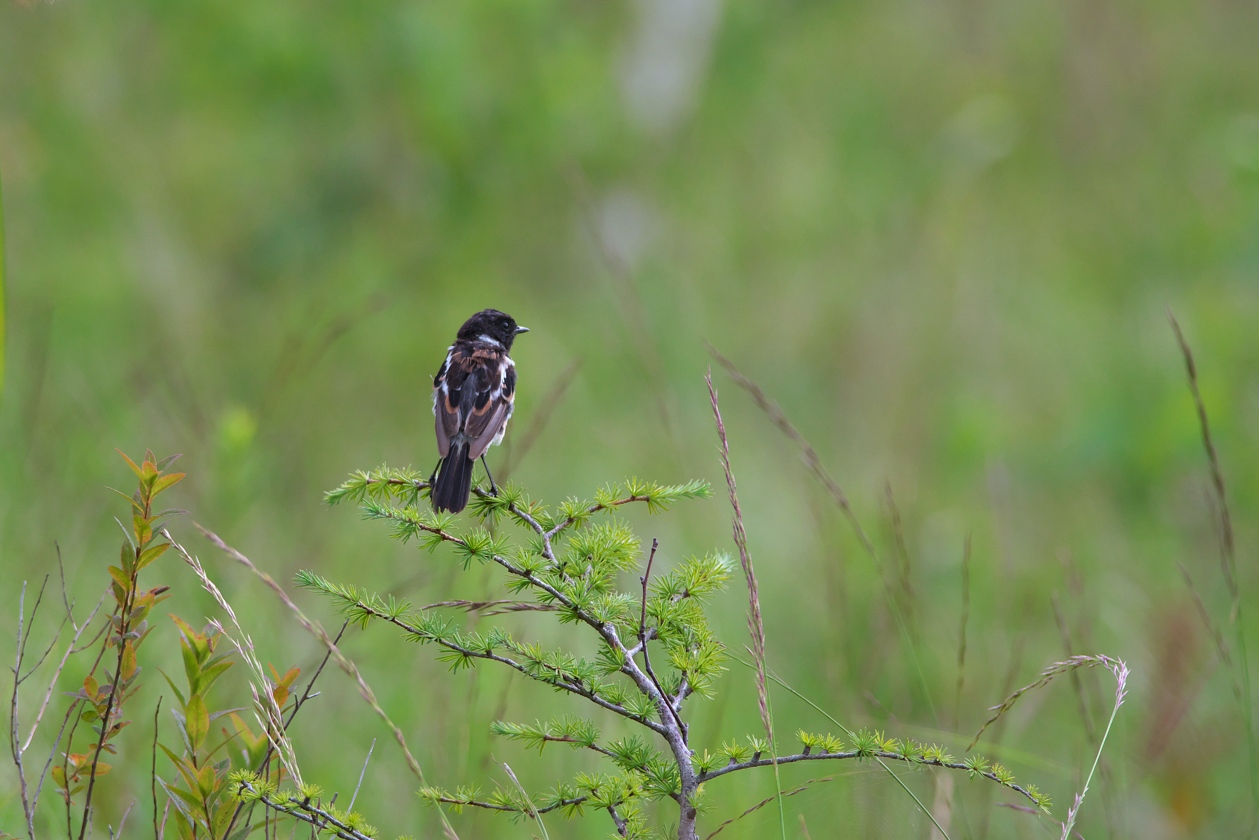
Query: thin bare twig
x=153, y=771
x=622, y=827
x=15, y=747
x=71, y=649
x=122, y=822
x=113, y=702
x=642, y=640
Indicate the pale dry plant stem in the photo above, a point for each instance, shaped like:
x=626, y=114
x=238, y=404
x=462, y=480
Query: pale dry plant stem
x=840, y=498
x=361, y=774
x=537, y=817
x=1120, y=670
x=268, y=712
x=365, y=690
x=756, y=626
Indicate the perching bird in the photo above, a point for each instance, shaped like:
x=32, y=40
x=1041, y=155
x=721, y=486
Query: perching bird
x=473, y=394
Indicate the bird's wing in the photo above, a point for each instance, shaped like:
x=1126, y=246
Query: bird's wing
x=493, y=406
x=445, y=407
x=472, y=396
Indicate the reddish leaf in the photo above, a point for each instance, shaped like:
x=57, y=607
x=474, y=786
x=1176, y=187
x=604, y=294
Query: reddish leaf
x=134, y=467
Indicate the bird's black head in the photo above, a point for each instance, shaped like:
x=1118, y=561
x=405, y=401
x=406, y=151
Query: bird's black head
x=490, y=322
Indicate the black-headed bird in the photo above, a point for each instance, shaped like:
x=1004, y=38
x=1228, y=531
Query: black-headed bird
x=473, y=394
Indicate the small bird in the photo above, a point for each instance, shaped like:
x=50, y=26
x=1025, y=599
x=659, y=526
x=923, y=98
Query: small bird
x=473, y=394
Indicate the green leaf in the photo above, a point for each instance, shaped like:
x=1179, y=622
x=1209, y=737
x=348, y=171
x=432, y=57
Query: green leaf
x=168, y=460
x=206, y=780
x=183, y=704
x=143, y=527
x=213, y=670
x=150, y=554
x=167, y=481
x=131, y=499
x=198, y=722
x=120, y=577
x=186, y=770
x=135, y=468
x=128, y=666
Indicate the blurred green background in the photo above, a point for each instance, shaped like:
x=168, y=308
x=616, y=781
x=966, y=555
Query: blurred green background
x=944, y=236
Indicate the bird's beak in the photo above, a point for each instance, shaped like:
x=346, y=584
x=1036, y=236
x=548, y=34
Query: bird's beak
x=520, y=330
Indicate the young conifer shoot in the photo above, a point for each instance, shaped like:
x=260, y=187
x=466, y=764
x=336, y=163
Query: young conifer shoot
x=657, y=653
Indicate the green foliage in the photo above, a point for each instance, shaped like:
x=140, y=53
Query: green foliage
x=205, y=791
x=577, y=732
x=576, y=567
x=103, y=702
x=826, y=744
x=977, y=765
x=1003, y=775
x=867, y=743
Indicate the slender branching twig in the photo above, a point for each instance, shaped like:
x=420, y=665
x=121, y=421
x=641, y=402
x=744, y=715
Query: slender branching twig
x=642, y=640
x=153, y=769
x=15, y=748
x=305, y=810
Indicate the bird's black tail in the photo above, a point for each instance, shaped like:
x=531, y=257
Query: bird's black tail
x=454, y=480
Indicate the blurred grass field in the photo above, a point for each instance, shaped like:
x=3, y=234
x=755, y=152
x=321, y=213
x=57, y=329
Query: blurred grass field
x=944, y=237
